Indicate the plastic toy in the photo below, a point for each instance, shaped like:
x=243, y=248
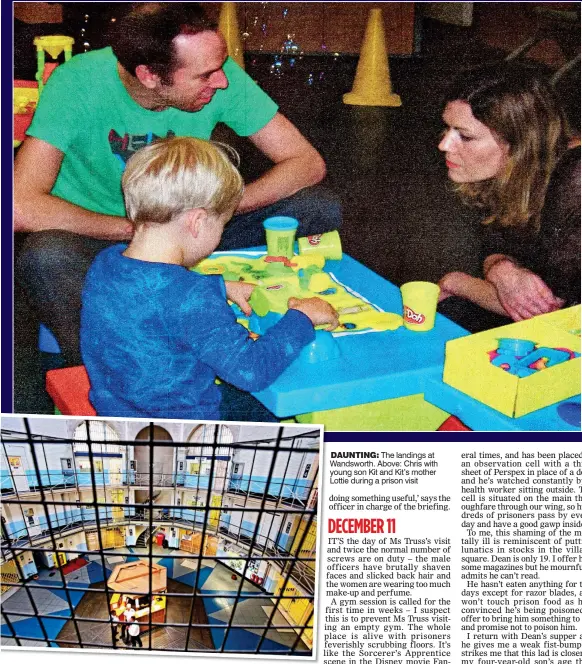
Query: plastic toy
x=27, y=93
x=521, y=358
x=571, y=413
x=54, y=45
x=419, y=305
x=274, y=297
x=468, y=367
x=323, y=347
x=327, y=244
x=24, y=105
x=280, y=232
x=281, y=275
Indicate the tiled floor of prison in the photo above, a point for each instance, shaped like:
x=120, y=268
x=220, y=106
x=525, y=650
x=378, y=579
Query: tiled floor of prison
x=93, y=635
x=214, y=579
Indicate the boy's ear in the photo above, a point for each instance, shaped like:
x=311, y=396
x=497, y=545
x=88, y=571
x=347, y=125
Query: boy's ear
x=194, y=220
x=146, y=77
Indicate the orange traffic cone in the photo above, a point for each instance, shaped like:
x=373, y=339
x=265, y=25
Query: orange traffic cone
x=228, y=26
x=372, y=85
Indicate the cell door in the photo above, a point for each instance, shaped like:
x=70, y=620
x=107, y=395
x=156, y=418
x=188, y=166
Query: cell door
x=117, y=496
x=301, y=613
x=9, y=573
x=214, y=515
x=66, y=513
x=237, y=477
x=115, y=471
x=92, y=541
x=68, y=472
x=18, y=468
x=235, y=524
x=57, y=558
x=107, y=538
x=31, y=521
x=308, y=543
x=289, y=591
x=269, y=527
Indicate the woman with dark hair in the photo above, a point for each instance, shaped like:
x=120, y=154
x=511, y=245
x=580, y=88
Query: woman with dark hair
x=508, y=151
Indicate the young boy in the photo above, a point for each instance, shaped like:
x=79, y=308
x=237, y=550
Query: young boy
x=154, y=335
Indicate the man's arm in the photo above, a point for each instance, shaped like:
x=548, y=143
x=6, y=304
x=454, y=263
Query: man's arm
x=297, y=165
x=35, y=209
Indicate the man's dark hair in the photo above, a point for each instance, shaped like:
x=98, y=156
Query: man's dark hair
x=146, y=35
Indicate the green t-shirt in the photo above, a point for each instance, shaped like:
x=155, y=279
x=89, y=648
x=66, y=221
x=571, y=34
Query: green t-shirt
x=86, y=113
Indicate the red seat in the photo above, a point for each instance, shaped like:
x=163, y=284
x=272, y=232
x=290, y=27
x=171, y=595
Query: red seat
x=453, y=424
x=69, y=390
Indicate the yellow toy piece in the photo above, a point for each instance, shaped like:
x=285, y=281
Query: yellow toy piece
x=24, y=105
x=308, y=260
x=257, y=270
x=274, y=297
x=26, y=93
x=320, y=281
x=25, y=100
x=54, y=45
x=381, y=321
x=210, y=267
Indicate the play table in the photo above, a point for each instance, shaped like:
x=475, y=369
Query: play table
x=389, y=380
x=381, y=381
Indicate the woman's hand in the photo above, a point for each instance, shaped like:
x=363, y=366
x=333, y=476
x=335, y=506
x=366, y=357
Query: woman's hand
x=240, y=293
x=521, y=292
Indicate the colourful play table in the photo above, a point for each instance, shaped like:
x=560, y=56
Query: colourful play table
x=391, y=380
x=372, y=368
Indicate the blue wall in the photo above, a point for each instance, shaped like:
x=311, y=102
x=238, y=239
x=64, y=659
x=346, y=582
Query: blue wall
x=75, y=515
x=278, y=486
x=5, y=479
x=187, y=513
x=67, y=478
x=196, y=481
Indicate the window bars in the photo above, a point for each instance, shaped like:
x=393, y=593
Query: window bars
x=239, y=521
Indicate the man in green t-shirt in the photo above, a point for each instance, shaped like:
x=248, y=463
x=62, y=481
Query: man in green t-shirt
x=166, y=74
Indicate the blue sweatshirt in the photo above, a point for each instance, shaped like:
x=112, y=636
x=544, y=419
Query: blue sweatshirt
x=155, y=336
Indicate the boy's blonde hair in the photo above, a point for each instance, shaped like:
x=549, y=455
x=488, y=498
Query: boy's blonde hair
x=173, y=175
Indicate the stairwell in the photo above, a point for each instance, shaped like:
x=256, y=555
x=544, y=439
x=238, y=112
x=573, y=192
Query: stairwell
x=143, y=539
